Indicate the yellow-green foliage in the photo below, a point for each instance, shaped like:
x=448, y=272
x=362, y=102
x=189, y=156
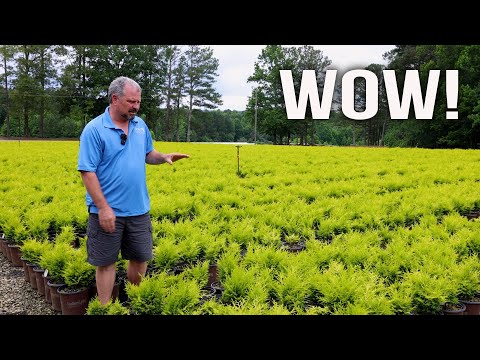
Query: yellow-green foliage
x=148, y=298
x=165, y=254
x=33, y=249
x=66, y=235
x=77, y=272
x=385, y=229
x=110, y=308
x=55, y=259
x=164, y=295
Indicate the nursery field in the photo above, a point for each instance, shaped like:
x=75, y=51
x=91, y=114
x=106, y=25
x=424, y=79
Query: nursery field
x=290, y=229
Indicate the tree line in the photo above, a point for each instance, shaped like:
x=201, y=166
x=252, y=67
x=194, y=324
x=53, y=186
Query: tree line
x=51, y=91
x=439, y=132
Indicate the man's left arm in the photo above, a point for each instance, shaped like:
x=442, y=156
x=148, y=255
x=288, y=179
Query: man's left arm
x=155, y=157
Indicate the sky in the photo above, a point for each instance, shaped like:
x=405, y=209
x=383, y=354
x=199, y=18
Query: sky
x=236, y=64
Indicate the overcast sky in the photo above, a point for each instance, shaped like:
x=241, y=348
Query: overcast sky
x=237, y=64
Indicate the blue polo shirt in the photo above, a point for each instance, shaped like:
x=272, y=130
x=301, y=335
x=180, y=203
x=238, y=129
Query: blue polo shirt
x=121, y=169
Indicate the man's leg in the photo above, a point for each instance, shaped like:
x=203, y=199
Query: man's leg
x=103, y=248
x=135, y=271
x=105, y=279
x=137, y=246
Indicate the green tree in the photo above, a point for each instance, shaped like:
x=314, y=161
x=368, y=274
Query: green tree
x=375, y=127
x=178, y=93
x=75, y=96
x=200, y=75
x=6, y=56
x=306, y=58
x=268, y=94
x=172, y=54
x=46, y=74
x=25, y=85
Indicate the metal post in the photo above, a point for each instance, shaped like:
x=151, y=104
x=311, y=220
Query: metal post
x=238, y=159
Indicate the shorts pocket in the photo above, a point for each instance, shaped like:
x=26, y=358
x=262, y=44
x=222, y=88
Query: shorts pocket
x=92, y=229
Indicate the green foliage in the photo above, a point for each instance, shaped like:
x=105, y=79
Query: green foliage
x=351, y=309
x=465, y=275
x=473, y=242
x=59, y=111
x=400, y=298
x=266, y=257
x=428, y=292
x=371, y=218
x=214, y=248
x=209, y=307
x=339, y=288
x=166, y=254
x=55, y=259
x=164, y=294
x=33, y=250
x=77, y=272
x=66, y=235
x=292, y=290
x=182, y=298
x=317, y=310
x=292, y=239
x=95, y=307
x=228, y=261
x=198, y=273
x=13, y=228
x=188, y=250
x=241, y=308
x=39, y=219
x=148, y=298
x=121, y=265
x=396, y=260
x=238, y=285
x=242, y=232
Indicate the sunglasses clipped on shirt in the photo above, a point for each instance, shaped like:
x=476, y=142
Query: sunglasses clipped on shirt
x=123, y=138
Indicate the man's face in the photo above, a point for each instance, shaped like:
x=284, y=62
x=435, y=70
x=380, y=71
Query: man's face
x=128, y=105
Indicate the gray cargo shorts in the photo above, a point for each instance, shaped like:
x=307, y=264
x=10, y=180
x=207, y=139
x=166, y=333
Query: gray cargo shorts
x=132, y=237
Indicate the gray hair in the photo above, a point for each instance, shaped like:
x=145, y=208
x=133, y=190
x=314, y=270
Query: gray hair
x=118, y=85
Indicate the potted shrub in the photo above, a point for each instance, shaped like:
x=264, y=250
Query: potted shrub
x=67, y=236
x=201, y=275
x=226, y=263
x=466, y=275
x=188, y=253
x=429, y=292
x=54, y=261
x=32, y=251
x=112, y=307
x=182, y=298
x=165, y=254
x=293, y=243
x=163, y=294
x=454, y=308
x=78, y=275
x=148, y=297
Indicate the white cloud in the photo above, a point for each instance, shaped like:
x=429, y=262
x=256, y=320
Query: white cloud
x=236, y=64
x=234, y=102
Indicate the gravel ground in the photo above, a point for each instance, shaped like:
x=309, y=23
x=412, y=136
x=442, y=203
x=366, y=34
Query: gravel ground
x=17, y=297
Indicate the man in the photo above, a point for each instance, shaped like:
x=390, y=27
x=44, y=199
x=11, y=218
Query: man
x=114, y=150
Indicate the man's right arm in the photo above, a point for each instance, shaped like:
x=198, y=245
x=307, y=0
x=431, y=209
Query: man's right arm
x=106, y=215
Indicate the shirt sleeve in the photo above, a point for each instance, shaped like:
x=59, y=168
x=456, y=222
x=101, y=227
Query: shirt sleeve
x=90, y=151
x=149, y=141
